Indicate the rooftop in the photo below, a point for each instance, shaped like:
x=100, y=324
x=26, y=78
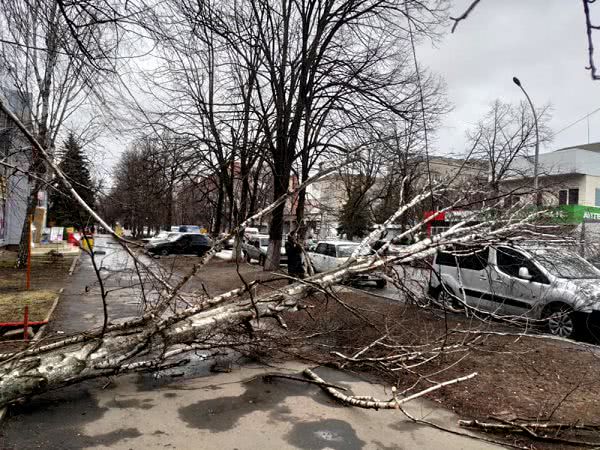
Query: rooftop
x=593, y=147
x=580, y=159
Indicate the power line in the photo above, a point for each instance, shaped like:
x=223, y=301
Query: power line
x=577, y=121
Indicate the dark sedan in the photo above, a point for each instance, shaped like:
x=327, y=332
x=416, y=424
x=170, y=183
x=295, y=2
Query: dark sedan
x=183, y=244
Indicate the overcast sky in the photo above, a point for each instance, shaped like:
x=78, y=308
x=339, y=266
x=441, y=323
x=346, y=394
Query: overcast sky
x=542, y=42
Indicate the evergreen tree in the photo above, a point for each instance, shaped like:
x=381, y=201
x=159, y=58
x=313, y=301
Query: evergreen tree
x=355, y=219
x=65, y=210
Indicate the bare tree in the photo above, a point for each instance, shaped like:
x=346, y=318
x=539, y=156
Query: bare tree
x=41, y=61
x=505, y=133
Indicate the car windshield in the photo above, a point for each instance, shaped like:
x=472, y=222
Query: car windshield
x=345, y=250
x=161, y=235
x=563, y=264
x=173, y=236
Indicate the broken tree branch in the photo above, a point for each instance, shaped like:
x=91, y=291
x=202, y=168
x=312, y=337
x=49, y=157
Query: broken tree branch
x=393, y=403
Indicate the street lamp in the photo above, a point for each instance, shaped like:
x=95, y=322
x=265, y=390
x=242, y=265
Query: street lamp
x=538, y=198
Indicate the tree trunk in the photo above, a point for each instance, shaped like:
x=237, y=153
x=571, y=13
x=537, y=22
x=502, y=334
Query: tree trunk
x=281, y=181
x=169, y=218
x=254, y=193
x=24, y=242
x=219, y=209
x=300, y=205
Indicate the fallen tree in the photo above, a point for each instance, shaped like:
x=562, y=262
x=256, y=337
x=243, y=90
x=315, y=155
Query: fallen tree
x=159, y=338
x=163, y=335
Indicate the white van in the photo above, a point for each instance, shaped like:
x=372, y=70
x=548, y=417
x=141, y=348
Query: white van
x=538, y=283
x=250, y=232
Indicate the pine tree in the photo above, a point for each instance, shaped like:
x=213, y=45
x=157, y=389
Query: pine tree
x=63, y=209
x=355, y=218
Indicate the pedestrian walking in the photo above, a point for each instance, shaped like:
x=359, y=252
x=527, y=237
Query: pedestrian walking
x=294, y=257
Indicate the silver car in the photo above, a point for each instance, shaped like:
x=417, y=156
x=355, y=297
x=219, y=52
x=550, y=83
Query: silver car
x=328, y=255
x=256, y=246
x=538, y=283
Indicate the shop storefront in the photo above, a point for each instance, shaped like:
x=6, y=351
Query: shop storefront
x=574, y=215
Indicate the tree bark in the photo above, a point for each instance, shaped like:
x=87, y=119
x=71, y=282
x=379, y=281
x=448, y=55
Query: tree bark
x=219, y=208
x=32, y=200
x=281, y=182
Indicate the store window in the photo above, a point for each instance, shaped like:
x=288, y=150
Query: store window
x=562, y=197
x=573, y=196
x=568, y=197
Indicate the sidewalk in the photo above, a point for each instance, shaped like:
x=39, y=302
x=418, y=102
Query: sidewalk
x=80, y=306
x=225, y=411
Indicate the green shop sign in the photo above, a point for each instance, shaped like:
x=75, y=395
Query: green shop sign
x=574, y=214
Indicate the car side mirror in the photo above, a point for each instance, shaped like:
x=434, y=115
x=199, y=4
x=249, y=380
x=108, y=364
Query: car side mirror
x=524, y=273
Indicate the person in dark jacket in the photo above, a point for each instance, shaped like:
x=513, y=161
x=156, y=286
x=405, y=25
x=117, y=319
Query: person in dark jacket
x=294, y=257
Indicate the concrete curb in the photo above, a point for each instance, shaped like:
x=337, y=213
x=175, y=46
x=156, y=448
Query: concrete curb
x=42, y=329
x=73, y=264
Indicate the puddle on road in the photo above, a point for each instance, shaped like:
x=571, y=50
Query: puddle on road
x=109, y=439
x=222, y=413
x=329, y=433
x=59, y=419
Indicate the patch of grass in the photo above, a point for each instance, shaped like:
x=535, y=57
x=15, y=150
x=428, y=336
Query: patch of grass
x=10, y=284
x=12, y=305
x=7, y=263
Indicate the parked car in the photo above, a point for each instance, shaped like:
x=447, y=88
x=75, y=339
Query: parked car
x=330, y=254
x=539, y=283
x=229, y=243
x=256, y=247
x=162, y=236
x=181, y=244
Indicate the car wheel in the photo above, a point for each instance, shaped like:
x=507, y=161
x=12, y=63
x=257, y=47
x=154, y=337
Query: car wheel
x=380, y=284
x=561, y=321
x=446, y=297
x=164, y=252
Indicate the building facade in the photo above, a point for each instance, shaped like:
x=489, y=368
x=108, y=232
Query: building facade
x=567, y=177
x=14, y=180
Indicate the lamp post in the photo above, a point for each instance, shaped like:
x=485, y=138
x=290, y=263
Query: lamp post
x=538, y=198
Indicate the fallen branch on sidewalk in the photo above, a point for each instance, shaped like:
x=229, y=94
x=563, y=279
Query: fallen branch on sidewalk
x=268, y=377
x=373, y=403
x=460, y=433
x=534, y=430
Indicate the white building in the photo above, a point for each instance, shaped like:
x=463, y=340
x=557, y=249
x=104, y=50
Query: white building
x=568, y=176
